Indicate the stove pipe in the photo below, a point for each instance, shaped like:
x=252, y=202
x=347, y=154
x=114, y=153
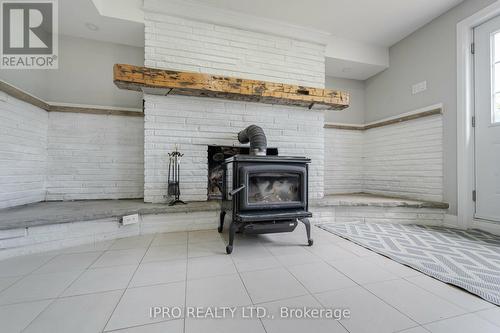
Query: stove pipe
x=255, y=135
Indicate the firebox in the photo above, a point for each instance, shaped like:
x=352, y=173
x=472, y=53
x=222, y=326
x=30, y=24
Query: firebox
x=265, y=193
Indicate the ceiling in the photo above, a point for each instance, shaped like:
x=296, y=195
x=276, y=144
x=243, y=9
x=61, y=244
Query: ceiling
x=360, y=30
x=380, y=22
x=74, y=15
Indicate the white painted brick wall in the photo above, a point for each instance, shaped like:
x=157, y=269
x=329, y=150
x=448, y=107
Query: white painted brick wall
x=95, y=156
x=23, y=144
x=195, y=122
x=186, y=45
x=404, y=160
x=343, y=161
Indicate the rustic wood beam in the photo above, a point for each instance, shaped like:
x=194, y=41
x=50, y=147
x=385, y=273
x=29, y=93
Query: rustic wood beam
x=167, y=82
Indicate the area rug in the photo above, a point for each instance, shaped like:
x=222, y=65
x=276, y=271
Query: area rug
x=467, y=259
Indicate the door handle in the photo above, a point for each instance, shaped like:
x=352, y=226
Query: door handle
x=233, y=192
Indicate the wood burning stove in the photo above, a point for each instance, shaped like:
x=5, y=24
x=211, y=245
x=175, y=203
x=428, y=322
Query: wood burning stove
x=266, y=194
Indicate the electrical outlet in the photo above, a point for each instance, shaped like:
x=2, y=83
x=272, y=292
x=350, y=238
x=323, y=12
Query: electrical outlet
x=130, y=219
x=417, y=88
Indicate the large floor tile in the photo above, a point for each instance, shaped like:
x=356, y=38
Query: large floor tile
x=135, y=242
x=159, y=272
x=286, y=249
x=277, y=324
x=14, y=318
x=272, y=284
x=255, y=264
x=318, y=277
x=304, y=257
x=222, y=290
x=331, y=252
x=171, y=326
x=465, y=323
x=451, y=293
x=23, y=265
x=491, y=315
x=224, y=325
x=6, y=282
x=101, y=279
x=362, y=271
x=210, y=266
x=249, y=250
x=163, y=253
x=69, y=262
x=92, y=247
x=170, y=238
x=417, y=303
x=368, y=313
x=134, y=307
x=417, y=329
x=38, y=287
x=119, y=258
x=78, y=314
x=203, y=236
x=206, y=249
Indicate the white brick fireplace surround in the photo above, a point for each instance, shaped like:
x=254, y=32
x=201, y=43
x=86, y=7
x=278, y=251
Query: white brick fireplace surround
x=194, y=123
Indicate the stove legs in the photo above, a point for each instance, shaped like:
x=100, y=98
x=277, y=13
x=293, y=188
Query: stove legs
x=221, y=223
x=308, y=230
x=232, y=230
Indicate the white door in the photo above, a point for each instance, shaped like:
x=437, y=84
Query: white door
x=487, y=119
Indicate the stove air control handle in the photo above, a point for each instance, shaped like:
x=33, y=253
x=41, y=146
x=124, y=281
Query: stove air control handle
x=233, y=192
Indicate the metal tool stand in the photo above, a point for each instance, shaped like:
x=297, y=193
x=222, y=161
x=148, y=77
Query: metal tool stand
x=174, y=168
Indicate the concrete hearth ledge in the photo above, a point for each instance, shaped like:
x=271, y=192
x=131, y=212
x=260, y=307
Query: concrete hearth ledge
x=54, y=212
x=373, y=200
x=46, y=213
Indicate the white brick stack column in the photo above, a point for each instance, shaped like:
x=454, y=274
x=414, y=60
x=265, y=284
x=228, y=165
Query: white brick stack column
x=193, y=123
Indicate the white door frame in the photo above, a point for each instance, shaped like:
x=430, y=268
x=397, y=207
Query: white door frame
x=465, y=111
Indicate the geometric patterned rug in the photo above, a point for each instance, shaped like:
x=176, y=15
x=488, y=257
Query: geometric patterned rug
x=467, y=259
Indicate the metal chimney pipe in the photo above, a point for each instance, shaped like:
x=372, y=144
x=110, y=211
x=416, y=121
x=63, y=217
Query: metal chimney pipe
x=257, y=138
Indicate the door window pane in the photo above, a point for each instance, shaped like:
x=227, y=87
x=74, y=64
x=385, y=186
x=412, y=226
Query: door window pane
x=496, y=109
x=274, y=187
x=496, y=78
x=496, y=41
x=495, y=117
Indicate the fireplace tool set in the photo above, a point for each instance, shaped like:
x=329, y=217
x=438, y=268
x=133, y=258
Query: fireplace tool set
x=174, y=167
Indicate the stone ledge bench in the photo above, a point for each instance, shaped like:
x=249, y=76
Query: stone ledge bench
x=46, y=226
x=378, y=209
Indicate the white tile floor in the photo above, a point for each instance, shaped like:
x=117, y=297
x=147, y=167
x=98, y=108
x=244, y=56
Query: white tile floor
x=111, y=286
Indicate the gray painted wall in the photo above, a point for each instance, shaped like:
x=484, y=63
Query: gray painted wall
x=427, y=54
x=355, y=113
x=85, y=74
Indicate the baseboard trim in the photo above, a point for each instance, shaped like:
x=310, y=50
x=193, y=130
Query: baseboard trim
x=24, y=96
x=492, y=227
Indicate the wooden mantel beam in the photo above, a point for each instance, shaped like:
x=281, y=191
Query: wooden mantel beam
x=165, y=82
